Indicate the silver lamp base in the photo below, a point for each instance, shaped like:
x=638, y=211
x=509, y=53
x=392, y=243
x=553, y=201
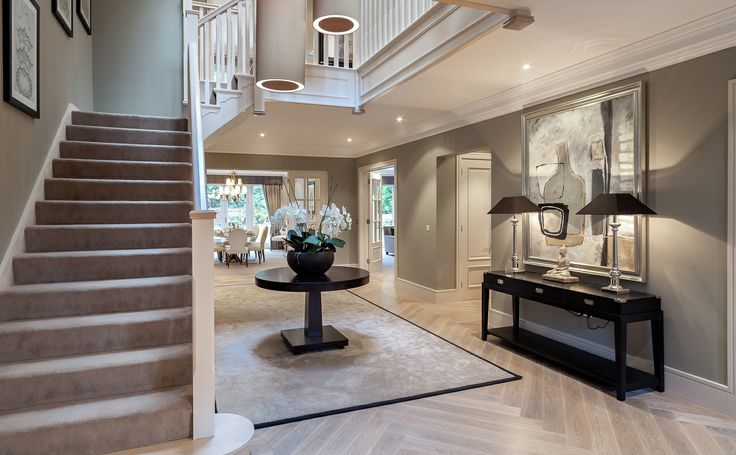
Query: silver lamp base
x=617, y=289
x=515, y=270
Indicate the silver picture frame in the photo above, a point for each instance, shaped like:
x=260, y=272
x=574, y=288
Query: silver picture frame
x=591, y=246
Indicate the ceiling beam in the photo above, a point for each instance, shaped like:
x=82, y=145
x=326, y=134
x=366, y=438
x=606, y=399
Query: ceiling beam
x=518, y=20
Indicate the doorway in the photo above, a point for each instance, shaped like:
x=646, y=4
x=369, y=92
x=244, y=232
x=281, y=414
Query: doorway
x=474, y=223
x=378, y=203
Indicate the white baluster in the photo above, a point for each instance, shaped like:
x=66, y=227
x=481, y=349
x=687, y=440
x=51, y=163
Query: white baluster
x=346, y=51
x=241, y=39
x=228, y=17
x=208, y=60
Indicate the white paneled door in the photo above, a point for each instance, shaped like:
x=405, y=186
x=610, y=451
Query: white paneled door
x=474, y=223
x=376, y=222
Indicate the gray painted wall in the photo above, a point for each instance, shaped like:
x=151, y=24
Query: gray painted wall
x=138, y=56
x=341, y=171
x=446, y=252
x=66, y=77
x=687, y=182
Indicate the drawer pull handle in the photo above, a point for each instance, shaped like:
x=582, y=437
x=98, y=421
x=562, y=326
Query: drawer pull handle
x=539, y=290
x=589, y=302
x=499, y=281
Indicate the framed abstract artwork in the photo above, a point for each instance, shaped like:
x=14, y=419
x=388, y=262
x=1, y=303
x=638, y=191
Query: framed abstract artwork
x=21, y=56
x=574, y=151
x=84, y=11
x=64, y=12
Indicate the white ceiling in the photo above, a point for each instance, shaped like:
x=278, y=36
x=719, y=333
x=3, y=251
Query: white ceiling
x=565, y=33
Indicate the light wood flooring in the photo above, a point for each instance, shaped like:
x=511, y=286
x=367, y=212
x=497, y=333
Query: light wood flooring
x=547, y=412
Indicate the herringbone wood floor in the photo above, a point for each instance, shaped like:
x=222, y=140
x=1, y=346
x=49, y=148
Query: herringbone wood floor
x=547, y=412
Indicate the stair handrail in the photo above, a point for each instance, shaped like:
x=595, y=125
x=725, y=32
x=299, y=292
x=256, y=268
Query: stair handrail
x=217, y=11
x=195, y=125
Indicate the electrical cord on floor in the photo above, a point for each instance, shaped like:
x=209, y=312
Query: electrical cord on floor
x=587, y=320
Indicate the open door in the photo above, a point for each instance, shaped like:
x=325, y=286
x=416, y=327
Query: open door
x=376, y=222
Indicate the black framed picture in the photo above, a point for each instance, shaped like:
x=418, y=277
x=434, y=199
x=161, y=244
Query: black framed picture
x=64, y=12
x=21, y=55
x=84, y=11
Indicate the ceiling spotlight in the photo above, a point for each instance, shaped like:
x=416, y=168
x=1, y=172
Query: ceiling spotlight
x=350, y=139
x=263, y=134
x=399, y=119
x=336, y=17
x=526, y=66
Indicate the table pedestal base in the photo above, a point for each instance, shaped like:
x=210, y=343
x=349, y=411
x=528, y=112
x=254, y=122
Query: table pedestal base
x=298, y=342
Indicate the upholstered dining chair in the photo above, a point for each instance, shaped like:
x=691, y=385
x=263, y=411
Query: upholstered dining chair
x=237, y=247
x=259, y=245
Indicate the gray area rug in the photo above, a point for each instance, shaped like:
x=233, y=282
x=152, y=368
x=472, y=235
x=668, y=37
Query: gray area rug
x=388, y=360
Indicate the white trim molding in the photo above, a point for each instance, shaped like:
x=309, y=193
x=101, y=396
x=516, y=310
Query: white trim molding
x=17, y=243
x=694, y=39
x=426, y=293
x=731, y=239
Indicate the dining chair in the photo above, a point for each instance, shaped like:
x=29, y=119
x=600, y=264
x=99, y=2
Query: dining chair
x=259, y=245
x=237, y=247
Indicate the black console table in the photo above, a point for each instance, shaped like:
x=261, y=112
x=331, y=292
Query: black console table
x=590, y=300
x=314, y=336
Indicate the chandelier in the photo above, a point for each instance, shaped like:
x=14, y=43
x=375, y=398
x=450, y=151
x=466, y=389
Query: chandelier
x=233, y=188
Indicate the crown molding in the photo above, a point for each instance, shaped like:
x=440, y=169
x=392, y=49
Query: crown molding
x=697, y=38
x=275, y=150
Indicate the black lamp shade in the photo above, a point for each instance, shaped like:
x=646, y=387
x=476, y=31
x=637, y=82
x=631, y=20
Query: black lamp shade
x=616, y=204
x=514, y=204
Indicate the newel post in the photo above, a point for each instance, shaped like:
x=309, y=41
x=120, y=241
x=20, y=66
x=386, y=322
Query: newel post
x=203, y=323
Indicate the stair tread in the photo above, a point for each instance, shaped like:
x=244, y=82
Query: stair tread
x=120, y=181
x=105, y=253
x=97, y=409
x=72, y=227
x=71, y=201
x=125, y=162
x=96, y=285
x=68, y=364
x=127, y=145
x=135, y=130
x=132, y=116
x=93, y=320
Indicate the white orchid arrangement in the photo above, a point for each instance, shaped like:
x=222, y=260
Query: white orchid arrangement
x=312, y=239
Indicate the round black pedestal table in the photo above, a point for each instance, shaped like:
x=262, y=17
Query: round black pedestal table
x=314, y=336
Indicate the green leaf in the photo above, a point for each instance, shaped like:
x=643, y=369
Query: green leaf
x=336, y=242
x=313, y=240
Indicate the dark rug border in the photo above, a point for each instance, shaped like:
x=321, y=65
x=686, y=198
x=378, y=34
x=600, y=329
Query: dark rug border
x=514, y=377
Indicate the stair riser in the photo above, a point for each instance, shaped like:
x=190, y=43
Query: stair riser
x=89, y=268
x=44, y=344
x=53, y=387
x=129, y=121
x=70, y=190
x=97, y=151
x=127, y=136
x=45, y=239
x=122, y=171
x=50, y=304
x=56, y=213
x=102, y=435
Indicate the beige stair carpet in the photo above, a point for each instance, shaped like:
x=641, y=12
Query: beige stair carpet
x=388, y=359
x=95, y=333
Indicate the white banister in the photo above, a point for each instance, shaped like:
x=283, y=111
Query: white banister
x=195, y=126
x=203, y=324
x=383, y=20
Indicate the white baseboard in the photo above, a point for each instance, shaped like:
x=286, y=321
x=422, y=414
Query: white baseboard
x=17, y=243
x=426, y=293
x=685, y=385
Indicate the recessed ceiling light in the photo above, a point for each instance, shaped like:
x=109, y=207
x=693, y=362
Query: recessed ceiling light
x=399, y=119
x=526, y=66
x=350, y=139
x=263, y=134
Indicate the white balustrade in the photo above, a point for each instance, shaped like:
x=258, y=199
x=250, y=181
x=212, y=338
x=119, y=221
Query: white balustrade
x=226, y=45
x=382, y=20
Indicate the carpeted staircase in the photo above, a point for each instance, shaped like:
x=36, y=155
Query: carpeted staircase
x=95, y=352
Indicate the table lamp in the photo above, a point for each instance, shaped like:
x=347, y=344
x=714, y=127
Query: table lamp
x=615, y=204
x=514, y=205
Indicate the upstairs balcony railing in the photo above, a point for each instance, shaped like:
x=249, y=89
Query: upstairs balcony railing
x=383, y=20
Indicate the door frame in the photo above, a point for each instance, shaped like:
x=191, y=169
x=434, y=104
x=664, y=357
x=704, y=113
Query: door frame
x=363, y=207
x=459, y=265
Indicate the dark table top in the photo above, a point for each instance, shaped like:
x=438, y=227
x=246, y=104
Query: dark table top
x=337, y=278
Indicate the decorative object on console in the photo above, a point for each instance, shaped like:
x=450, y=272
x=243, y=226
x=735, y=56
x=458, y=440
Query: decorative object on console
x=21, y=55
x=574, y=151
x=84, y=11
x=64, y=12
x=313, y=247
x=336, y=17
x=281, y=30
x=514, y=205
x=561, y=272
x=615, y=204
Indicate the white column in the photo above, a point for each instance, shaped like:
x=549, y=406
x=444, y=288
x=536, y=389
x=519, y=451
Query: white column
x=250, y=209
x=203, y=324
